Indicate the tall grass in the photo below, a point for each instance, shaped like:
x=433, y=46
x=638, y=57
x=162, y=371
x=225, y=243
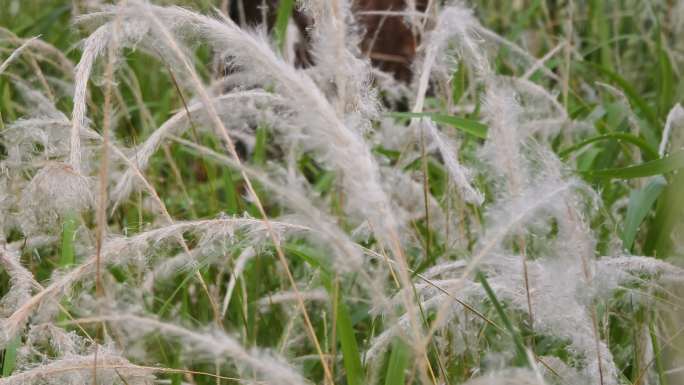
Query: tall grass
x=182, y=201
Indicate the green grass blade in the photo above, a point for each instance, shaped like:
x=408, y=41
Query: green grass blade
x=231, y=199
x=660, y=166
x=166, y=305
x=69, y=226
x=468, y=126
x=259, y=155
x=657, y=357
x=517, y=338
x=285, y=8
x=647, y=150
x=67, y=256
x=523, y=21
x=666, y=81
x=662, y=229
x=10, y=357
x=308, y=255
x=43, y=24
x=347, y=337
x=632, y=94
x=398, y=361
x=458, y=83
x=601, y=29
x=640, y=203
x=344, y=325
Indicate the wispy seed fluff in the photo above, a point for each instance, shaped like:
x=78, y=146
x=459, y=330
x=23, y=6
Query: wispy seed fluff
x=460, y=175
x=95, y=46
x=21, y=282
x=457, y=26
x=337, y=57
x=55, y=191
x=504, y=136
x=211, y=345
x=320, y=127
x=80, y=369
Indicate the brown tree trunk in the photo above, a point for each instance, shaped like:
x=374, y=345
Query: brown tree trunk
x=387, y=40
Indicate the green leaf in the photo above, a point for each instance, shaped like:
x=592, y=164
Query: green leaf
x=523, y=18
x=43, y=24
x=663, y=229
x=666, y=79
x=663, y=165
x=345, y=329
x=458, y=83
x=67, y=257
x=396, y=369
x=325, y=182
x=517, y=338
x=10, y=357
x=469, y=126
x=232, y=197
x=648, y=151
x=601, y=29
x=640, y=202
x=168, y=302
x=285, y=8
x=68, y=234
x=585, y=161
x=308, y=255
x=350, y=349
x=662, y=377
x=632, y=94
x=259, y=154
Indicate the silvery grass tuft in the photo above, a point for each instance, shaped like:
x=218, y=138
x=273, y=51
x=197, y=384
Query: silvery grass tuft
x=267, y=222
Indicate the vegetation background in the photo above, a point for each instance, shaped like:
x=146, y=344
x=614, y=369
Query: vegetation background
x=177, y=278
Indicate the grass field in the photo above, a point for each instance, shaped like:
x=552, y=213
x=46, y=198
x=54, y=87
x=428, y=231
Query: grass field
x=182, y=201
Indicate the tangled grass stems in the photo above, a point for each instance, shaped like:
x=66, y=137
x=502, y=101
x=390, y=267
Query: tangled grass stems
x=216, y=344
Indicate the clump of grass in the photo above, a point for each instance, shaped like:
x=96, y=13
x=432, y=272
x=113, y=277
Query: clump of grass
x=487, y=223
